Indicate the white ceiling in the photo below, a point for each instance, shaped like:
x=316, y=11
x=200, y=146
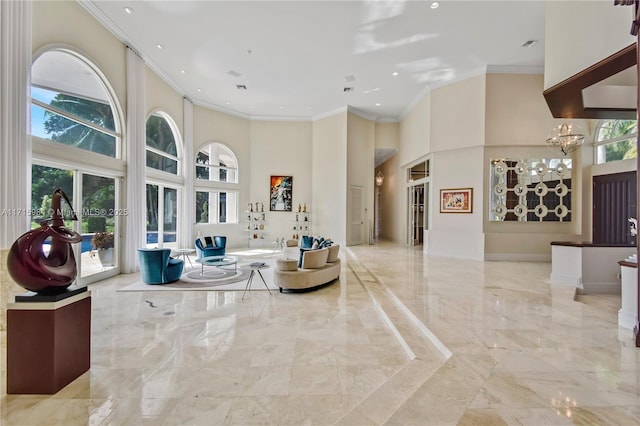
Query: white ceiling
x=295, y=57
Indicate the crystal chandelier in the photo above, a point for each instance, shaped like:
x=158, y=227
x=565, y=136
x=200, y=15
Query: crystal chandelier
x=565, y=138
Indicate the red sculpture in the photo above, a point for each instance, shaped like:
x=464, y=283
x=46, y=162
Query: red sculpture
x=43, y=273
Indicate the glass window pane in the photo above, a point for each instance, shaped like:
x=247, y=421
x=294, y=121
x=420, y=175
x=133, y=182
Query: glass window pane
x=215, y=162
x=170, y=215
x=152, y=214
x=98, y=224
x=160, y=162
x=54, y=127
x=45, y=180
x=160, y=135
x=98, y=113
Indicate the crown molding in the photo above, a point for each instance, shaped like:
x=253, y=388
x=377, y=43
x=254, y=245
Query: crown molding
x=514, y=69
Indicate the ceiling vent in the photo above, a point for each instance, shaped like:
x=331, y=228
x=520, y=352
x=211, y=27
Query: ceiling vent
x=529, y=43
x=241, y=87
x=350, y=78
x=347, y=89
x=234, y=73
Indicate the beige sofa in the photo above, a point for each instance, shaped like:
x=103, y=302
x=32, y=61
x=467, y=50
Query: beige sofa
x=320, y=267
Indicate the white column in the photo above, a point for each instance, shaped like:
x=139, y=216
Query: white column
x=134, y=235
x=15, y=139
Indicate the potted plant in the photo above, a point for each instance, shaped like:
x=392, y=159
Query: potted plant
x=103, y=243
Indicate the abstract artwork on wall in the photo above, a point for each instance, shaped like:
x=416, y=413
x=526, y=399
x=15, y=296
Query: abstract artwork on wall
x=458, y=200
x=281, y=195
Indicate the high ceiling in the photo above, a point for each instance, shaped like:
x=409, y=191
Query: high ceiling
x=305, y=59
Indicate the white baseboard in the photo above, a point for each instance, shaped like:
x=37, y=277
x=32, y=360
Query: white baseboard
x=627, y=319
x=602, y=288
x=517, y=257
x=570, y=280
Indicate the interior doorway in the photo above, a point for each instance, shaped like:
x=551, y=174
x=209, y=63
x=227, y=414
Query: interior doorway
x=417, y=213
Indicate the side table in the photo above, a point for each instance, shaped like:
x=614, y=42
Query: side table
x=255, y=267
x=184, y=254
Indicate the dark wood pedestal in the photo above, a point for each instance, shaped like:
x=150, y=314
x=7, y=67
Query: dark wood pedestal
x=48, y=344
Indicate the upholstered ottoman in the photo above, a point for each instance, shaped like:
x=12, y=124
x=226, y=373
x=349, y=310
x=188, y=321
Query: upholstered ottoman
x=287, y=264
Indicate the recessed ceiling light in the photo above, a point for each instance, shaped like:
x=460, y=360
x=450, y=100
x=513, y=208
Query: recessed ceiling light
x=394, y=73
x=199, y=89
x=228, y=103
x=377, y=103
x=435, y=5
x=159, y=46
x=529, y=43
x=128, y=10
x=183, y=71
x=281, y=106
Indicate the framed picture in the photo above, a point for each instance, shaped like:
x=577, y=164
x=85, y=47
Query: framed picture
x=458, y=200
x=281, y=195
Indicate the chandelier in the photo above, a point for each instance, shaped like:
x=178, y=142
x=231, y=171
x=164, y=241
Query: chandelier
x=566, y=139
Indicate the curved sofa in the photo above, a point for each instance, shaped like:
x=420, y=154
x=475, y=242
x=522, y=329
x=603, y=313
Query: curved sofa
x=319, y=268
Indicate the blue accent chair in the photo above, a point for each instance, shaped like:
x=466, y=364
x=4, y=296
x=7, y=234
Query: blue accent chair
x=158, y=267
x=214, y=246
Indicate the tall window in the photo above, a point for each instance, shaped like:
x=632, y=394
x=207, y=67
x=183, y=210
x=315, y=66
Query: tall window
x=216, y=184
x=616, y=140
x=74, y=114
x=163, y=181
x=69, y=104
x=162, y=153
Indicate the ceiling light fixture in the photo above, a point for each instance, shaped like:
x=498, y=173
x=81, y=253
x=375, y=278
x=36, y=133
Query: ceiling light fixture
x=199, y=89
x=378, y=104
x=128, y=10
x=183, y=71
x=435, y=5
x=395, y=73
x=159, y=46
x=529, y=43
x=565, y=138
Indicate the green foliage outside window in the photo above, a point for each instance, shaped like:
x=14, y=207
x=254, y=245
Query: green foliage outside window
x=620, y=147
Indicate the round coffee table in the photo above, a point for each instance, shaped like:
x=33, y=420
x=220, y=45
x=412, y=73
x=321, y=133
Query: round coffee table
x=218, y=261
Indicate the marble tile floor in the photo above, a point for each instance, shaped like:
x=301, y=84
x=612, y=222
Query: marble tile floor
x=401, y=339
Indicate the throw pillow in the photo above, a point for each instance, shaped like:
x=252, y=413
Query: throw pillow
x=306, y=242
x=315, y=245
x=210, y=242
x=203, y=242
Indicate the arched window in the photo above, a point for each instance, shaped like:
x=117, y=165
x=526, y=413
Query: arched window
x=70, y=104
x=162, y=153
x=615, y=140
x=74, y=114
x=164, y=183
x=216, y=184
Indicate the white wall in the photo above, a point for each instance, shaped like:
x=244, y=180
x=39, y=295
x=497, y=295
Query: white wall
x=457, y=135
x=360, y=172
x=329, y=177
x=281, y=148
x=66, y=23
x=234, y=132
x=580, y=33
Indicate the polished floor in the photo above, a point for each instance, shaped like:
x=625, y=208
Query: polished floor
x=400, y=340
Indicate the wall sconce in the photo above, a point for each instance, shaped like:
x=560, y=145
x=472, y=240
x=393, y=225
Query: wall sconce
x=565, y=138
x=379, y=178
